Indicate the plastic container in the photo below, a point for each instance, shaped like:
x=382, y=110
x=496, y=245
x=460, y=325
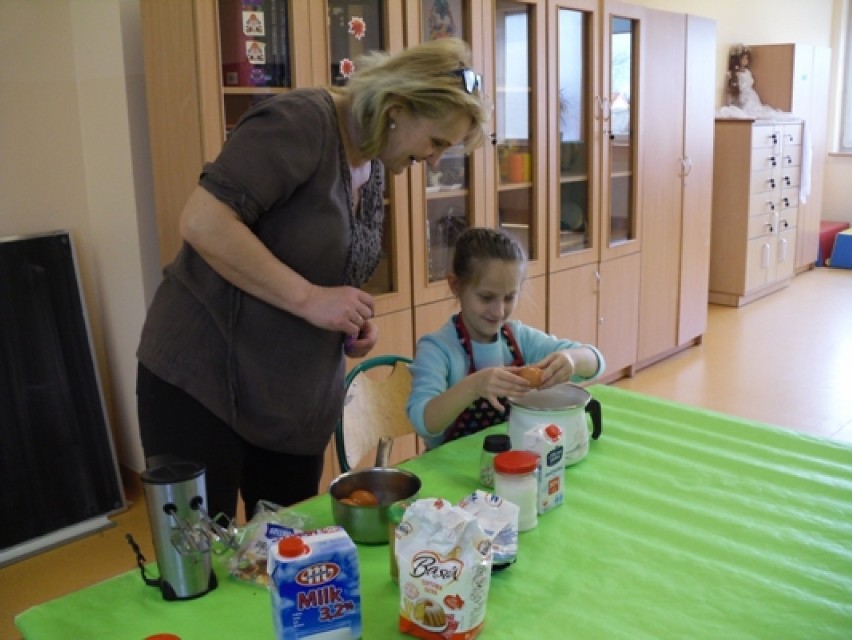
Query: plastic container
x=492, y=445
x=395, y=513
x=516, y=480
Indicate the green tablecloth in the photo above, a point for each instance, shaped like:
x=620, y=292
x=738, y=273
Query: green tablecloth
x=681, y=523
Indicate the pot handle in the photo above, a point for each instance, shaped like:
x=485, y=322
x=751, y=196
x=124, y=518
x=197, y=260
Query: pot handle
x=383, y=451
x=593, y=408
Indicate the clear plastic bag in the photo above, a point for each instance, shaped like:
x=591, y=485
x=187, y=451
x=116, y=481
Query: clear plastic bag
x=269, y=524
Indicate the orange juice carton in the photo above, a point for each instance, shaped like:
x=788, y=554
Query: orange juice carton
x=314, y=584
x=444, y=560
x=547, y=441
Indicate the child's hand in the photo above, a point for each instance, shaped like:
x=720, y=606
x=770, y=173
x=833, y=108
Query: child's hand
x=556, y=368
x=498, y=382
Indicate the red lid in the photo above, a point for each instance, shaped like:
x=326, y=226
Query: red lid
x=292, y=547
x=163, y=636
x=516, y=462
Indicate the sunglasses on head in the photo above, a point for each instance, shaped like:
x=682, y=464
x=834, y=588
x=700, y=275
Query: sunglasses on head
x=471, y=81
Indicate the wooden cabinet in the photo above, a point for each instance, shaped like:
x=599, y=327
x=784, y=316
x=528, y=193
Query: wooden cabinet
x=594, y=200
x=755, y=208
x=677, y=171
x=795, y=79
x=608, y=198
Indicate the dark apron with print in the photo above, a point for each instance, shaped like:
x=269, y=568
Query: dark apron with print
x=480, y=414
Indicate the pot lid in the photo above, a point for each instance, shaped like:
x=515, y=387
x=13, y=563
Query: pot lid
x=560, y=396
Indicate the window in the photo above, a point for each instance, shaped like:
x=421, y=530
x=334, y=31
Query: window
x=845, y=140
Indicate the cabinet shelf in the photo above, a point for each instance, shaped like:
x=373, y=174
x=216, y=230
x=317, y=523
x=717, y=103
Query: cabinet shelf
x=444, y=192
x=249, y=91
x=514, y=186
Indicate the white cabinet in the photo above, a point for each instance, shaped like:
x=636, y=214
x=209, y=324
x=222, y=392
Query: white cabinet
x=755, y=208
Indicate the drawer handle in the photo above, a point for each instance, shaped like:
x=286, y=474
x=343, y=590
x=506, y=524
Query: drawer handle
x=787, y=180
x=785, y=223
x=771, y=182
x=772, y=161
x=774, y=138
x=770, y=205
x=786, y=201
x=788, y=159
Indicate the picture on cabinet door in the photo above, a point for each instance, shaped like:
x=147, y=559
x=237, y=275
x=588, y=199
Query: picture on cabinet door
x=254, y=43
x=441, y=19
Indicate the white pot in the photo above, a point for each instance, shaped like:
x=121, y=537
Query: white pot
x=565, y=405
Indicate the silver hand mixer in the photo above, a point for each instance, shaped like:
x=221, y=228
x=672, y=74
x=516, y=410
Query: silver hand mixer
x=184, y=533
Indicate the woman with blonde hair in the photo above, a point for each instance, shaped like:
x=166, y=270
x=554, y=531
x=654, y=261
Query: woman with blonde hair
x=242, y=354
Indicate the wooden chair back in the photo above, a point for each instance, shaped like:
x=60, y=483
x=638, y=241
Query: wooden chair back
x=374, y=406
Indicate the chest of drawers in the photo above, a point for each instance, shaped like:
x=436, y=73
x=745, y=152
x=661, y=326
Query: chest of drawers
x=757, y=172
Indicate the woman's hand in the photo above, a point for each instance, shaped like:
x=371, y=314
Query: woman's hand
x=360, y=345
x=343, y=309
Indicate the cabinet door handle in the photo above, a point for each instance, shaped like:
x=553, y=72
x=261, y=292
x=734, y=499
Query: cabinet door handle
x=782, y=250
x=685, y=166
x=603, y=107
x=764, y=256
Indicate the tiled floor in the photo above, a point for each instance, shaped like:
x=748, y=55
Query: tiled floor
x=784, y=360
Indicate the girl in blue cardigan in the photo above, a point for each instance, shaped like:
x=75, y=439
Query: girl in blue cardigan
x=464, y=372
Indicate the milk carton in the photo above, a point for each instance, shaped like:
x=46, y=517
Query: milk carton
x=547, y=441
x=315, y=587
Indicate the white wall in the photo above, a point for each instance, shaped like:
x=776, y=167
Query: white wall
x=74, y=150
x=74, y=155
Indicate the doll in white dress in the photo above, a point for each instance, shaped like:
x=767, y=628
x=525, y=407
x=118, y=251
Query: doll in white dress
x=741, y=93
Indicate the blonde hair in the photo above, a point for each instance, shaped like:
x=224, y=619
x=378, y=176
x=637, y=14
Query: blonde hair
x=420, y=79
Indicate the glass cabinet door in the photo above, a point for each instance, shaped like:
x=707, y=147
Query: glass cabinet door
x=355, y=28
x=447, y=186
x=594, y=212
x=255, y=51
x=514, y=122
x=575, y=42
x=619, y=123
